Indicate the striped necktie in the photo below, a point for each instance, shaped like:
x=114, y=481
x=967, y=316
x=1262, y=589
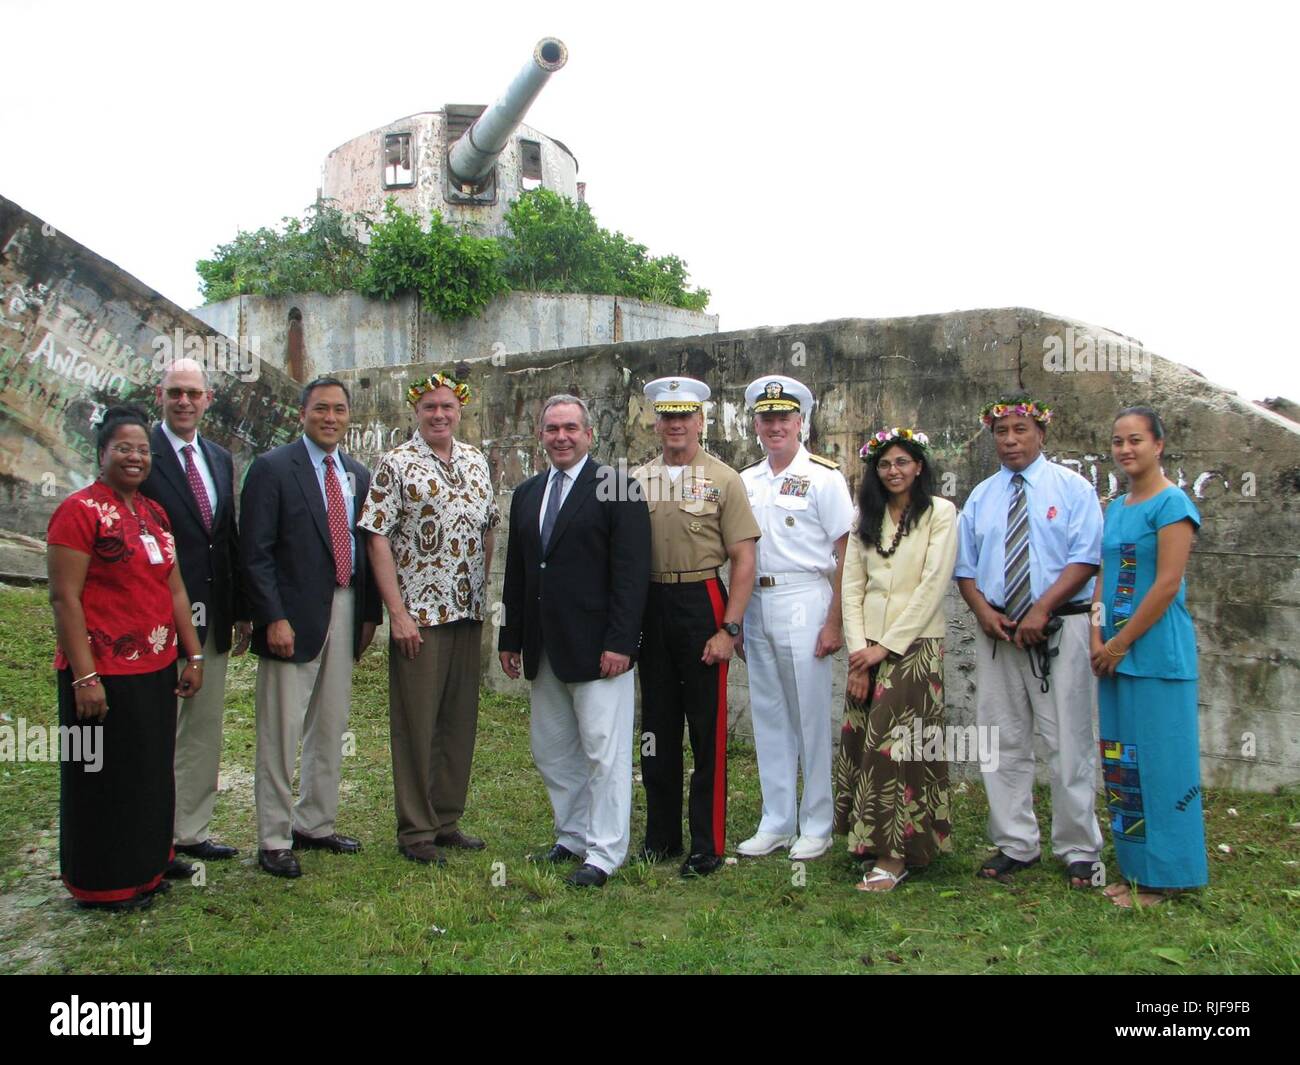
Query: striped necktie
x=1017, y=552
x=553, y=503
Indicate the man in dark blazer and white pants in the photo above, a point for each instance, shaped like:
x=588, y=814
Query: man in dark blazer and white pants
x=577, y=573
x=315, y=608
x=193, y=480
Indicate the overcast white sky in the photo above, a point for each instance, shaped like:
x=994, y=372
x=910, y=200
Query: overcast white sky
x=1133, y=165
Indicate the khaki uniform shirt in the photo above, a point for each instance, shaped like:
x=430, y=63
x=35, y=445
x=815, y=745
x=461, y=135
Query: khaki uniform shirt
x=434, y=514
x=693, y=519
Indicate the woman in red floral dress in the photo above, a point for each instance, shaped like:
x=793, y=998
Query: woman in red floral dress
x=119, y=606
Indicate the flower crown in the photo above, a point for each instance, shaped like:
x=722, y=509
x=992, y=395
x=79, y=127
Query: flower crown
x=991, y=412
x=882, y=439
x=438, y=380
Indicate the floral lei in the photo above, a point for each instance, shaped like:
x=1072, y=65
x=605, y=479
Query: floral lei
x=438, y=380
x=880, y=440
x=991, y=412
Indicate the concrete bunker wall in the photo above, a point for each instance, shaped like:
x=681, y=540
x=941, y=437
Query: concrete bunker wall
x=1240, y=463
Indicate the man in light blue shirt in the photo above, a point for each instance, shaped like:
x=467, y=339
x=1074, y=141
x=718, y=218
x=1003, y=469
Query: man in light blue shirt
x=1029, y=546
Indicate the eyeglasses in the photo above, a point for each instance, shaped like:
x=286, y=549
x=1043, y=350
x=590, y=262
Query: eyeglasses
x=126, y=450
x=192, y=394
x=884, y=465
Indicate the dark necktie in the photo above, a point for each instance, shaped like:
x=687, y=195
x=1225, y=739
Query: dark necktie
x=338, y=521
x=1017, y=552
x=196, y=486
x=552, y=508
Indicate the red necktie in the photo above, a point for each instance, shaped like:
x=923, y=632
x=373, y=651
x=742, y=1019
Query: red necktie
x=338, y=519
x=196, y=486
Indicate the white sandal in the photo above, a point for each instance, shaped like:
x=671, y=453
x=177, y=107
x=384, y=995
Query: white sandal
x=879, y=876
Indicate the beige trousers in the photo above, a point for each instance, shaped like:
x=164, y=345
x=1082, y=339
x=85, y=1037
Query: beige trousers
x=307, y=701
x=1010, y=698
x=198, y=748
x=433, y=718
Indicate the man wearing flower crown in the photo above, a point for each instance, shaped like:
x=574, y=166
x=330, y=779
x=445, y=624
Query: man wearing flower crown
x=792, y=623
x=432, y=511
x=1029, y=545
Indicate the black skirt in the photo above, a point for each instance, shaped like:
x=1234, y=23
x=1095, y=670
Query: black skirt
x=115, y=825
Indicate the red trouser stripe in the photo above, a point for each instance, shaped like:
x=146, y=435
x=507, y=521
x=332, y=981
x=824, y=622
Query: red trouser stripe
x=720, y=738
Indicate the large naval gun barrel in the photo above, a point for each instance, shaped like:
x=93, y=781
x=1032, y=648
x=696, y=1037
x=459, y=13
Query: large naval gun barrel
x=472, y=157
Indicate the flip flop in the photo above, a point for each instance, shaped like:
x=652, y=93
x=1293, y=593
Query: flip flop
x=880, y=876
x=1081, y=871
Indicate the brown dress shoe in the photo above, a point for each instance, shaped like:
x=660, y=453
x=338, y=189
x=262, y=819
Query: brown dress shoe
x=458, y=839
x=422, y=851
x=333, y=842
x=279, y=863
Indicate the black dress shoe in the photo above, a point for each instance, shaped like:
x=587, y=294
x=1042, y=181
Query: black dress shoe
x=587, y=876
x=701, y=864
x=424, y=852
x=649, y=854
x=279, y=863
x=555, y=855
x=459, y=840
x=207, y=851
x=333, y=842
x=178, y=870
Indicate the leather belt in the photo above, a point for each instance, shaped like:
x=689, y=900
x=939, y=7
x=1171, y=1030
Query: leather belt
x=684, y=576
x=772, y=580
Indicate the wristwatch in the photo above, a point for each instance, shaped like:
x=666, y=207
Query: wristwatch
x=731, y=629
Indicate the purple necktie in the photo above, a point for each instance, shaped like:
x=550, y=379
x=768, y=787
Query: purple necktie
x=196, y=486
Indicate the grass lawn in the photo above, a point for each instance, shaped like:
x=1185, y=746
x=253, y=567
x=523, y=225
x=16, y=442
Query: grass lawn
x=492, y=911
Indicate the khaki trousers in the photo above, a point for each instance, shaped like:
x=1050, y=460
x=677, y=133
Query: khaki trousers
x=307, y=701
x=198, y=748
x=433, y=718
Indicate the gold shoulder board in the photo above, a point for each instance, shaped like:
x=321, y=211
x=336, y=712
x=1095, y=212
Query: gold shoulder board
x=828, y=463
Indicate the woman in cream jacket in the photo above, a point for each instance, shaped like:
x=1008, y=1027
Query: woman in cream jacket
x=891, y=772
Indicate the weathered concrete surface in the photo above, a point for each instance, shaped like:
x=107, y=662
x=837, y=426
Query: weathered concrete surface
x=349, y=331
x=77, y=334
x=1240, y=463
x=353, y=173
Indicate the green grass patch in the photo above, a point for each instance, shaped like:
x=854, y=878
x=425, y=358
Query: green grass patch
x=492, y=911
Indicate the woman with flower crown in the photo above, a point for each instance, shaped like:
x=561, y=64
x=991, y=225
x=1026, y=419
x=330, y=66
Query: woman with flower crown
x=891, y=772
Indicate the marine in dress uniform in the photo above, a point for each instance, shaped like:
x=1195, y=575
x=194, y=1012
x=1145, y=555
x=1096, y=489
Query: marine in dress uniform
x=699, y=519
x=792, y=624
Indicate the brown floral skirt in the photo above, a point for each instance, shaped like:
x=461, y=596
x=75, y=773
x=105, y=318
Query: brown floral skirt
x=890, y=800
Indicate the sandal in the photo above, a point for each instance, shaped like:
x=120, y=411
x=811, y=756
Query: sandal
x=1000, y=865
x=1084, y=871
x=880, y=876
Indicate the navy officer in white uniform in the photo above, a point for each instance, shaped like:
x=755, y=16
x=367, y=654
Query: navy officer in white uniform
x=793, y=624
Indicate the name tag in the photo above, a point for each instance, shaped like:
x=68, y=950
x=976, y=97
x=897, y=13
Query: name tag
x=151, y=548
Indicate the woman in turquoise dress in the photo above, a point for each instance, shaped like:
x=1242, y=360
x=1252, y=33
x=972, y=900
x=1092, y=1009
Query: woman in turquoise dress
x=1144, y=654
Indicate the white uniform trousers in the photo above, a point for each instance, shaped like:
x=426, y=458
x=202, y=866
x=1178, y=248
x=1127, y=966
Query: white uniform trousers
x=790, y=706
x=198, y=747
x=307, y=701
x=1010, y=697
x=582, y=743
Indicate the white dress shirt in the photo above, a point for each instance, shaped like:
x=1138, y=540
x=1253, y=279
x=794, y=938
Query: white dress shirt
x=566, y=484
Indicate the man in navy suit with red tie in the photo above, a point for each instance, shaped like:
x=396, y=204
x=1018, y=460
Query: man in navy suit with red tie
x=577, y=575
x=315, y=608
x=193, y=480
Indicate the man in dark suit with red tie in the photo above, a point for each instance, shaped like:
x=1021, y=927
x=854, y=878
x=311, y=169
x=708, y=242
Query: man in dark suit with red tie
x=577, y=575
x=315, y=607
x=193, y=480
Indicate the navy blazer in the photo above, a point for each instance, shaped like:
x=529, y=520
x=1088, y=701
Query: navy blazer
x=587, y=593
x=209, y=560
x=286, y=554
